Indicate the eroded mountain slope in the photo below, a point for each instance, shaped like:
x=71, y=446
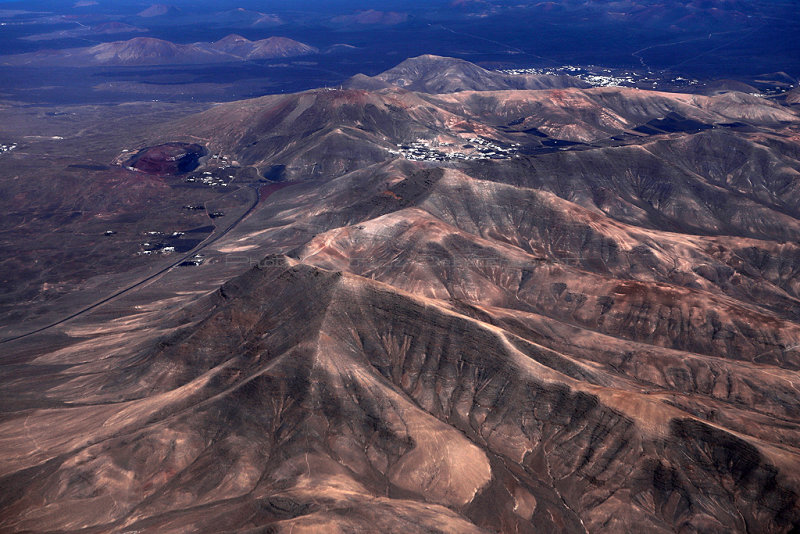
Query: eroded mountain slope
x=594, y=337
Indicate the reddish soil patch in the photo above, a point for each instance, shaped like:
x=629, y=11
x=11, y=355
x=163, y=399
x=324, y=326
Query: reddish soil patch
x=169, y=158
x=266, y=190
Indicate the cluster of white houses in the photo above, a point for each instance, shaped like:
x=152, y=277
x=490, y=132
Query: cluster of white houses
x=7, y=147
x=477, y=148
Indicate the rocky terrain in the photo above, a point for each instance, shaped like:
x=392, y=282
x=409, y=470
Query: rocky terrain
x=597, y=332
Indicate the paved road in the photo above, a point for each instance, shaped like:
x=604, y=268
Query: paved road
x=209, y=241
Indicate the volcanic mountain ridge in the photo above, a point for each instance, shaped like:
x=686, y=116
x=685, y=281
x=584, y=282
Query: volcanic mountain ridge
x=599, y=336
x=435, y=74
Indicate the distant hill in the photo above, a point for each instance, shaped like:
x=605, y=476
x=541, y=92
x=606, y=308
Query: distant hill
x=147, y=50
x=106, y=28
x=115, y=27
x=151, y=51
x=159, y=10
x=271, y=47
x=437, y=75
x=241, y=17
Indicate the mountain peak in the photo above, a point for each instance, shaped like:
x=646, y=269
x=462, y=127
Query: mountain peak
x=233, y=38
x=158, y=10
x=430, y=73
x=271, y=47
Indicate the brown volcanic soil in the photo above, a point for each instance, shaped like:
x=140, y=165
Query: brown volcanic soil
x=604, y=338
